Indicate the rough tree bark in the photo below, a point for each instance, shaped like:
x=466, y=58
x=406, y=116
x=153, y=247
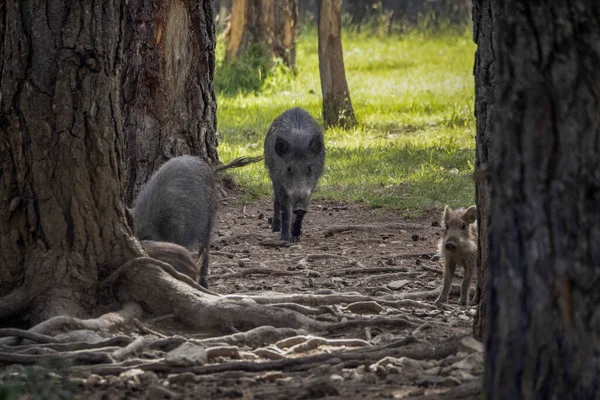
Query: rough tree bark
x=168, y=98
x=281, y=19
x=269, y=23
x=61, y=156
x=544, y=259
x=246, y=27
x=484, y=16
x=337, y=107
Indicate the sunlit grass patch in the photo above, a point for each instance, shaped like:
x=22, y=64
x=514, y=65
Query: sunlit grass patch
x=413, y=97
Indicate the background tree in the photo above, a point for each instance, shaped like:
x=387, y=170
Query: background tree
x=168, y=98
x=281, y=20
x=337, y=107
x=266, y=23
x=544, y=261
x=246, y=27
x=484, y=17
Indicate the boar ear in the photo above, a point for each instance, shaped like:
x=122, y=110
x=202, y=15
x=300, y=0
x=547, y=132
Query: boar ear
x=446, y=215
x=470, y=215
x=315, y=145
x=282, y=147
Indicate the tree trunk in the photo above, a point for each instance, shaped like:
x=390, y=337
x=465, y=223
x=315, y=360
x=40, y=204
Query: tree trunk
x=337, y=107
x=61, y=156
x=168, y=98
x=224, y=8
x=267, y=23
x=281, y=19
x=484, y=17
x=246, y=27
x=543, y=286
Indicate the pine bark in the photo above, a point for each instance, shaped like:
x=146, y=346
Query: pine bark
x=168, y=98
x=281, y=20
x=337, y=107
x=543, y=287
x=484, y=17
x=61, y=156
x=246, y=27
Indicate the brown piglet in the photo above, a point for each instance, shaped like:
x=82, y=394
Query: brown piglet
x=458, y=247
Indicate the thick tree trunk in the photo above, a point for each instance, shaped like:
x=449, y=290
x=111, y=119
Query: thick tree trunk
x=168, y=98
x=544, y=258
x=484, y=17
x=337, y=107
x=246, y=27
x=61, y=156
x=281, y=19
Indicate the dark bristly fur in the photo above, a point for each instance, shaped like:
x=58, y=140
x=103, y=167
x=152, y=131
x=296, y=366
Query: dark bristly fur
x=295, y=159
x=179, y=202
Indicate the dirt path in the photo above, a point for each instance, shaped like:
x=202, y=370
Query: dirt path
x=421, y=352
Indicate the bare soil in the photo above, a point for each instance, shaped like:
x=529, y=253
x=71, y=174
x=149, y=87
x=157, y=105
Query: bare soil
x=345, y=249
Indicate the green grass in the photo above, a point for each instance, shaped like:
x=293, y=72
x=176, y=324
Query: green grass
x=413, y=96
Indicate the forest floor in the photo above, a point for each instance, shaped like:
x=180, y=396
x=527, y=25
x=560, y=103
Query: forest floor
x=346, y=249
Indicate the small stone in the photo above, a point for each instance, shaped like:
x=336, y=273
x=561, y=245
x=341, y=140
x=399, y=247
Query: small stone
x=188, y=354
x=396, y=285
x=471, y=345
x=435, y=257
x=336, y=378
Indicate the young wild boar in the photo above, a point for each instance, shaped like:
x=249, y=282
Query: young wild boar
x=458, y=247
x=295, y=158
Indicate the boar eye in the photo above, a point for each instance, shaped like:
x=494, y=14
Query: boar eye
x=289, y=170
x=463, y=227
x=309, y=169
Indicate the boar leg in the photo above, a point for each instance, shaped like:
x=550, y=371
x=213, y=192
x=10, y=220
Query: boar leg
x=449, y=267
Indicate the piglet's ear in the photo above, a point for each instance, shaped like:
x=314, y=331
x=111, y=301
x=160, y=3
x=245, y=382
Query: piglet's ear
x=282, y=147
x=446, y=214
x=315, y=145
x=470, y=215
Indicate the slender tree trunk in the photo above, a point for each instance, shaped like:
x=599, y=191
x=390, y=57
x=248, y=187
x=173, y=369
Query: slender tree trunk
x=544, y=258
x=168, y=98
x=246, y=27
x=337, y=107
x=281, y=19
x=484, y=16
x=61, y=156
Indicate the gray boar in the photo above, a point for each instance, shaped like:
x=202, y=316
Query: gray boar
x=295, y=158
x=178, y=205
x=458, y=247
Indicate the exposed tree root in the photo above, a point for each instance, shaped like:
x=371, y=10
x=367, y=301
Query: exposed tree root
x=470, y=390
x=143, y=261
x=261, y=271
x=66, y=358
x=106, y=322
x=348, y=359
x=36, y=337
x=438, y=271
x=400, y=323
x=144, y=329
x=164, y=294
x=134, y=347
x=222, y=254
x=369, y=227
x=72, y=346
x=371, y=270
x=256, y=337
x=302, y=309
